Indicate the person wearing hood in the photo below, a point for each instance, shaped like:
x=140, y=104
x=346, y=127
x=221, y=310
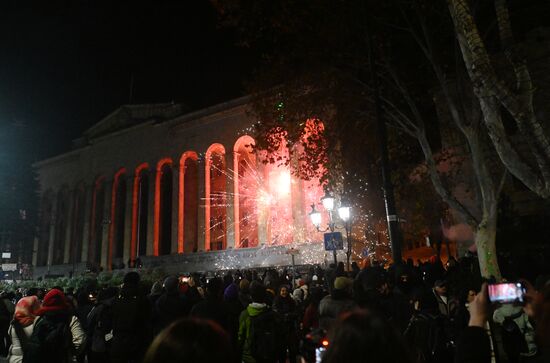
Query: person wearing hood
x=257, y=308
x=57, y=334
x=22, y=326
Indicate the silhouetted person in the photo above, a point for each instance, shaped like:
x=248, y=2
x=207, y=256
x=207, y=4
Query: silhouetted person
x=190, y=341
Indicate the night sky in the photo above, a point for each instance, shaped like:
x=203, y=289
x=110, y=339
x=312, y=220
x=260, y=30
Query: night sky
x=66, y=64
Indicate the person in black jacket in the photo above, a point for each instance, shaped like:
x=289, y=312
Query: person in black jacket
x=212, y=307
x=191, y=341
x=233, y=307
x=363, y=336
x=285, y=306
x=131, y=323
x=99, y=323
x=474, y=345
x=170, y=306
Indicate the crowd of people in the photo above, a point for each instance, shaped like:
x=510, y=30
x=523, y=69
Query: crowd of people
x=419, y=313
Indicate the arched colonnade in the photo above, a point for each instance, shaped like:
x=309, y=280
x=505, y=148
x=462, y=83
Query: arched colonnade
x=224, y=198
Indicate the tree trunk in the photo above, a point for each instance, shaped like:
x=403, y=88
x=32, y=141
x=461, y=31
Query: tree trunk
x=485, y=239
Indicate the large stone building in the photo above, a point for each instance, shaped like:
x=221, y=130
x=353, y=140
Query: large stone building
x=180, y=190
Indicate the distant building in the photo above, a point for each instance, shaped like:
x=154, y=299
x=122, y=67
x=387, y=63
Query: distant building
x=184, y=191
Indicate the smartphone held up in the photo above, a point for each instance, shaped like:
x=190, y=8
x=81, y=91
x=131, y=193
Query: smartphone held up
x=507, y=293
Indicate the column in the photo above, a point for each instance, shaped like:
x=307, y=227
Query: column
x=51, y=238
x=235, y=197
x=175, y=205
x=88, y=195
x=263, y=208
x=128, y=219
x=201, y=164
x=297, y=204
x=69, y=226
x=35, y=250
x=106, y=224
x=230, y=198
x=151, y=210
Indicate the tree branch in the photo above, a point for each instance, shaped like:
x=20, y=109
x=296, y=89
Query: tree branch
x=438, y=183
x=510, y=48
x=486, y=84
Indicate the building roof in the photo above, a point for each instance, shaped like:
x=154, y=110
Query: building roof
x=130, y=115
x=127, y=116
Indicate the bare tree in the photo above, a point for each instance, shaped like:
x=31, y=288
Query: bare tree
x=493, y=94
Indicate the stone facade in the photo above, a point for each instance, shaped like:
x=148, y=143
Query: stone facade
x=153, y=182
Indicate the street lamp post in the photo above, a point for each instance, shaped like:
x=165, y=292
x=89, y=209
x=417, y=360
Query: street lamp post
x=344, y=212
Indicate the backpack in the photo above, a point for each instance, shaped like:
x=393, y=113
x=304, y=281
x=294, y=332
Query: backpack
x=265, y=333
x=50, y=339
x=430, y=337
x=512, y=335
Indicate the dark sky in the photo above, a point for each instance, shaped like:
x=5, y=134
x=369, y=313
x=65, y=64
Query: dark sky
x=66, y=64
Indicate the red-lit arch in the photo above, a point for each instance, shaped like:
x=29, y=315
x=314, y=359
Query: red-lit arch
x=245, y=182
x=136, y=204
x=184, y=189
x=215, y=211
x=114, y=226
x=157, y=227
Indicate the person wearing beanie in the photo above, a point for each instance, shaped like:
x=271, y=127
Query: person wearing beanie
x=57, y=333
x=23, y=323
x=338, y=301
x=131, y=322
